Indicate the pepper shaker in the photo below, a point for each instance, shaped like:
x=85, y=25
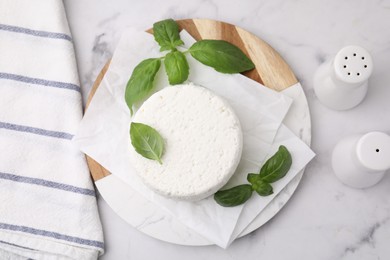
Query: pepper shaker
x=360, y=161
x=342, y=83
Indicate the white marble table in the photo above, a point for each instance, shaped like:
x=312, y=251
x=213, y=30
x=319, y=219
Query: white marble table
x=324, y=219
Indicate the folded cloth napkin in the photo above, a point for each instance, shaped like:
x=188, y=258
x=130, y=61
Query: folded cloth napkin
x=48, y=204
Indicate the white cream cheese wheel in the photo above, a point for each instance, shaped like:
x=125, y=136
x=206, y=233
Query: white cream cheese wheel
x=203, y=142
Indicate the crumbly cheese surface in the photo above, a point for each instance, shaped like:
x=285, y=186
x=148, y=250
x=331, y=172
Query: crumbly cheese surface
x=203, y=142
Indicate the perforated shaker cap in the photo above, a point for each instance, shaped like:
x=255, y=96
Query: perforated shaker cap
x=353, y=64
x=373, y=151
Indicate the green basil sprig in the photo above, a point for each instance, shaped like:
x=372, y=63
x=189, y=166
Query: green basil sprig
x=141, y=81
x=273, y=170
x=147, y=141
x=221, y=55
x=277, y=166
x=177, y=68
x=166, y=33
x=262, y=188
x=234, y=196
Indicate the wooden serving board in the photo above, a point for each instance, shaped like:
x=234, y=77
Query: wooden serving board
x=271, y=70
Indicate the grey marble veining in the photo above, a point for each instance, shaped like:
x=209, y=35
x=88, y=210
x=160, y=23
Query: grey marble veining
x=324, y=219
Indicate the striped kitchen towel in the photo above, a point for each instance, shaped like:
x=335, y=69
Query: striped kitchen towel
x=48, y=204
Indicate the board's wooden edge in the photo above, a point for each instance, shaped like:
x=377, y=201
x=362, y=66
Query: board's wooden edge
x=97, y=82
x=97, y=171
x=266, y=60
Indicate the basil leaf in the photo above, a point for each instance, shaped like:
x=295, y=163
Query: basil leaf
x=177, y=68
x=277, y=166
x=252, y=177
x=141, y=81
x=234, y=196
x=262, y=188
x=146, y=141
x=166, y=33
x=221, y=55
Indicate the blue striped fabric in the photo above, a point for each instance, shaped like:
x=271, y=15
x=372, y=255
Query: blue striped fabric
x=65, y=204
x=51, y=234
x=45, y=34
x=46, y=183
x=37, y=131
x=42, y=82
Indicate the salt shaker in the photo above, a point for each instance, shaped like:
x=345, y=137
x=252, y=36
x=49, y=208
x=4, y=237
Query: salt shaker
x=341, y=83
x=360, y=161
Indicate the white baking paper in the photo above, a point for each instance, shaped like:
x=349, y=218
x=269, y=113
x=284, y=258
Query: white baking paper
x=104, y=132
x=301, y=155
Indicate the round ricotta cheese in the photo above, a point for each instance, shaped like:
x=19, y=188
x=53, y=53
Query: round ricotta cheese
x=203, y=142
